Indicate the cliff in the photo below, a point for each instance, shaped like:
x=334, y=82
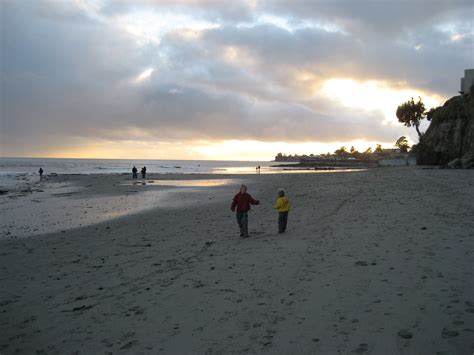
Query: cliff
x=449, y=139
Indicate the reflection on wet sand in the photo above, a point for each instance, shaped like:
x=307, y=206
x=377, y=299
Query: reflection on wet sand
x=182, y=183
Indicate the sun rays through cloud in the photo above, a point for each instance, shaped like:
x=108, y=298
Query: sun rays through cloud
x=376, y=96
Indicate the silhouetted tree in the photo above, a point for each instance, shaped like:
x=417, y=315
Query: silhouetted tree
x=402, y=144
x=341, y=151
x=378, y=148
x=353, y=150
x=368, y=151
x=430, y=113
x=411, y=113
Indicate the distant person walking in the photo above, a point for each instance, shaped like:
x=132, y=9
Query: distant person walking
x=241, y=205
x=143, y=171
x=40, y=171
x=134, y=172
x=283, y=207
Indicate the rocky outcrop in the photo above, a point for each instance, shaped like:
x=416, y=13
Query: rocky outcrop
x=449, y=140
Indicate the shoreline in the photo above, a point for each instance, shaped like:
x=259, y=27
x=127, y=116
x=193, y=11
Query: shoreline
x=376, y=261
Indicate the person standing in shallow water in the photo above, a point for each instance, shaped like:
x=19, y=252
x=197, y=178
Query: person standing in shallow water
x=241, y=205
x=40, y=171
x=143, y=172
x=134, y=172
x=283, y=207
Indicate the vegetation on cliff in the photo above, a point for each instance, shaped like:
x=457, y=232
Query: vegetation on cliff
x=449, y=139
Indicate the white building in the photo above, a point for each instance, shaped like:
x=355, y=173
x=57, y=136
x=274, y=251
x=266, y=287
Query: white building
x=467, y=81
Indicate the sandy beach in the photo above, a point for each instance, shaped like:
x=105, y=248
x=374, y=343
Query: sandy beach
x=379, y=261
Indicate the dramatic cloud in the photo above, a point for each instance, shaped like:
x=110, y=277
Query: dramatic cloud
x=82, y=73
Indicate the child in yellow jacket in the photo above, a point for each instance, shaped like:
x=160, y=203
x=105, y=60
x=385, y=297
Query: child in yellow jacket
x=283, y=207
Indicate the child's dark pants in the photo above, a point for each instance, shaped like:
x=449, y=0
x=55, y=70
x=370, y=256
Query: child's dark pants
x=282, y=221
x=242, y=220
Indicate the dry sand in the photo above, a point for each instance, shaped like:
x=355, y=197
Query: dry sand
x=378, y=261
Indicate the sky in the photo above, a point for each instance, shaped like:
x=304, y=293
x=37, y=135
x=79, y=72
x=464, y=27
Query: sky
x=225, y=80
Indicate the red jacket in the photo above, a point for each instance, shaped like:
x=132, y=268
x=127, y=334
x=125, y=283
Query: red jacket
x=243, y=202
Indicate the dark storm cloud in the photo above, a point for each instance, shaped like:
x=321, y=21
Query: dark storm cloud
x=68, y=71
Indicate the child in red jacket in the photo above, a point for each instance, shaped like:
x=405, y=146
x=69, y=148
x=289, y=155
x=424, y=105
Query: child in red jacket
x=241, y=203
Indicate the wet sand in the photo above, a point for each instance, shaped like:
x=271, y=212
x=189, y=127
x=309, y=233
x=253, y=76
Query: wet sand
x=58, y=203
x=377, y=261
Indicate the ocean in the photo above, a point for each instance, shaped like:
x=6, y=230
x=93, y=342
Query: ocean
x=9, y=166
x=12, y=169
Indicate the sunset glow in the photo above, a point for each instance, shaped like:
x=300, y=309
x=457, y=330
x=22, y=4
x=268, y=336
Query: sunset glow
x=375, y=95
x=205, y=150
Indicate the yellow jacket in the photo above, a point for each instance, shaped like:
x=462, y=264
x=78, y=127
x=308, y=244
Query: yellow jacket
x=282, y=204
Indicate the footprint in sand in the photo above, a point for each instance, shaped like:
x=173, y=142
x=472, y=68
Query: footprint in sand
x=362, y=348
x=449, y=333
x=405, y=334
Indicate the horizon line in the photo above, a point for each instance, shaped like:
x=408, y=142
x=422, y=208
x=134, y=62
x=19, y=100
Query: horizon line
x=231, y=160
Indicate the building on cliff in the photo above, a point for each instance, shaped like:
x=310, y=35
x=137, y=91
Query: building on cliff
x=467, y=81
